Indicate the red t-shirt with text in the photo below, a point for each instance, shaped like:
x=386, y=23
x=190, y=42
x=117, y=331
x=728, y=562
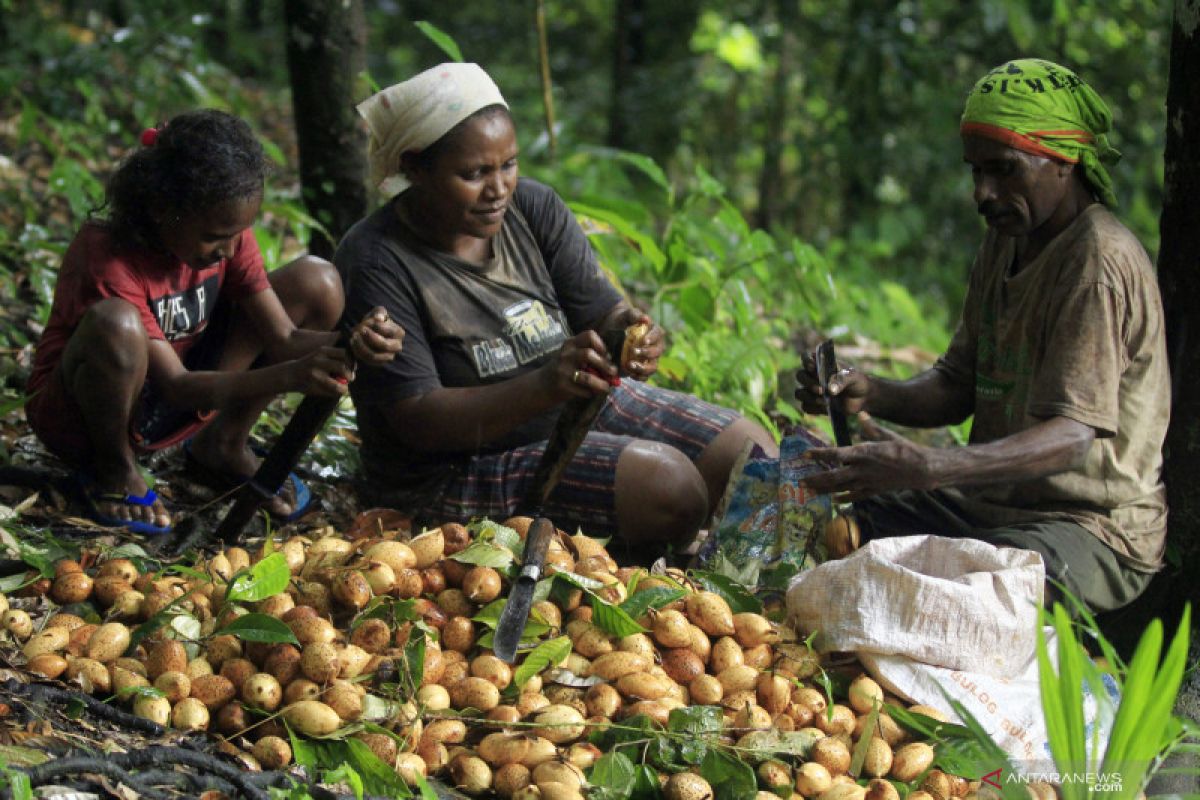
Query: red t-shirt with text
x=175, y=300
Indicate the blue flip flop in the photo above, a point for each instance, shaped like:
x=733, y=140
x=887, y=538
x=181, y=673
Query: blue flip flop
x=228, y=482
x=92, y=498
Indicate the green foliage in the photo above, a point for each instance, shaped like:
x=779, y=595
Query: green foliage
x=259, y=628
x=547, y=654
x=780, y=189
x=1144, y=731
x=267, y=577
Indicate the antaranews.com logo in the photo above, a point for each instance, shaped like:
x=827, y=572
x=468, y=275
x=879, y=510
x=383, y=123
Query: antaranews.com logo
x=1095, y=781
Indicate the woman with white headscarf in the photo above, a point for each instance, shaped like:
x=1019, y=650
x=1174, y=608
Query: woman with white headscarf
x=503, y=302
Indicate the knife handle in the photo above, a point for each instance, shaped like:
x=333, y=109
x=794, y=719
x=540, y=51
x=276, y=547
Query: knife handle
x=537, y=542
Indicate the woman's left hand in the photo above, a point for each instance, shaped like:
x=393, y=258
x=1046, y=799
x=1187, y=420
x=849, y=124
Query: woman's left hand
x=376, y=340
x=644, y=360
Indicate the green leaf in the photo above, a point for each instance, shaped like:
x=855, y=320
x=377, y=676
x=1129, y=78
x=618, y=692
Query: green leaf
x=259, y=628
x=612, y=777
x=486, y=554
x=485, y=530
x=348, y=775
x=644, y=243
x=378, y=778
x=304, y=751
x=392, y=610
x=489, y=615
x=19, y=785
x=546, y=654
x=699, y=725
x=612, y=619
x=441, y=39
x=730, y=778
x=128, y=550
x=738, y=597
x=266, y=578
x=427, y=792
x=139, y=691
x=864, y=742
x=414, y=657
x=578, y=581
x=639, y=603
x=169, y=612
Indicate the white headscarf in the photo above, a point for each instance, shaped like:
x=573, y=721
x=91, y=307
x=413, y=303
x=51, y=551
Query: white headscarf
x=416, y=113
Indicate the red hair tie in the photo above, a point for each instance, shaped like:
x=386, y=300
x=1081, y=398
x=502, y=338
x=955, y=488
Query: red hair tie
x=149, y=137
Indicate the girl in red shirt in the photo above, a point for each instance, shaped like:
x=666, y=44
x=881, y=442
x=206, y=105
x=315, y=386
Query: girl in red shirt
x=165, y=325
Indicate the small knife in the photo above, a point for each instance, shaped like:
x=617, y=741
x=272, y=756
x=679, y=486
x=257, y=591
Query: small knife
x=520, y=597
x=826, y=360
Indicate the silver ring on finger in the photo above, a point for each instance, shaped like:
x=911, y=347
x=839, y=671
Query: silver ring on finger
x=575, y=378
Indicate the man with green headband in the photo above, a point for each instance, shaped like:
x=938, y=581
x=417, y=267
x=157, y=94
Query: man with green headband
x=1059, y=355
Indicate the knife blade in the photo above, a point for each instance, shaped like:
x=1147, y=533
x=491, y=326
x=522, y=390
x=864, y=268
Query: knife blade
x=826, y=360
x=570, y=430
x=516, y=609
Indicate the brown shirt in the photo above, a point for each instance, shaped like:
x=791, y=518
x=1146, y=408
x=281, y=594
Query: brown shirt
x=1077, y=333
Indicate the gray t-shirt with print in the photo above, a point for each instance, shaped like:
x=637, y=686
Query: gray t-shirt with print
x=466, y=324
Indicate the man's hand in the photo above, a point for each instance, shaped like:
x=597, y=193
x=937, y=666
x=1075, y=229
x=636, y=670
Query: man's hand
x=848, y=387
x=376, y=340
x=887, y=462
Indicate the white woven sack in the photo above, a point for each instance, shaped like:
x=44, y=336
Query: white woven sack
x=956, y=603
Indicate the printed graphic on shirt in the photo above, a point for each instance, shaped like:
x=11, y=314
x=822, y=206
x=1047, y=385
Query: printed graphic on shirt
x=529, y=333
x=186, y=313
x=1002, y=373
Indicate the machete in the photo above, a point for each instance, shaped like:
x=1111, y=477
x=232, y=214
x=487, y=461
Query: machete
x=826, y=360
x=310, y=417
x=570, y=430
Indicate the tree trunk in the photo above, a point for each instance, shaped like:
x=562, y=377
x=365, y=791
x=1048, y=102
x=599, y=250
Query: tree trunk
x=778, y=110
x=326, y=50
x=627, y=51
x=652, y=75
x=1180, y=281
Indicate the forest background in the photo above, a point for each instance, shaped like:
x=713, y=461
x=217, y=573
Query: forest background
x=758, y=174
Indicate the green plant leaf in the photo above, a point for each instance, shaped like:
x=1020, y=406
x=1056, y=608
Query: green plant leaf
x=259, y=628
x=168, y=612
x=344, y=773
x=613, y=775
x=486, y=554
x=730, y=778
x=264, y=579
x=484, y=530
x=578, y=581
x=612, y=619
x=700, y=725
x=427, y=791
x=645, y=243
x=546, y=654
x=639, y=603
x=864, y=742
x=738, y=597
x=442, y=39
x=139, y=691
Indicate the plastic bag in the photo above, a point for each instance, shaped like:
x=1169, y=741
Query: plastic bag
x=768, y=525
